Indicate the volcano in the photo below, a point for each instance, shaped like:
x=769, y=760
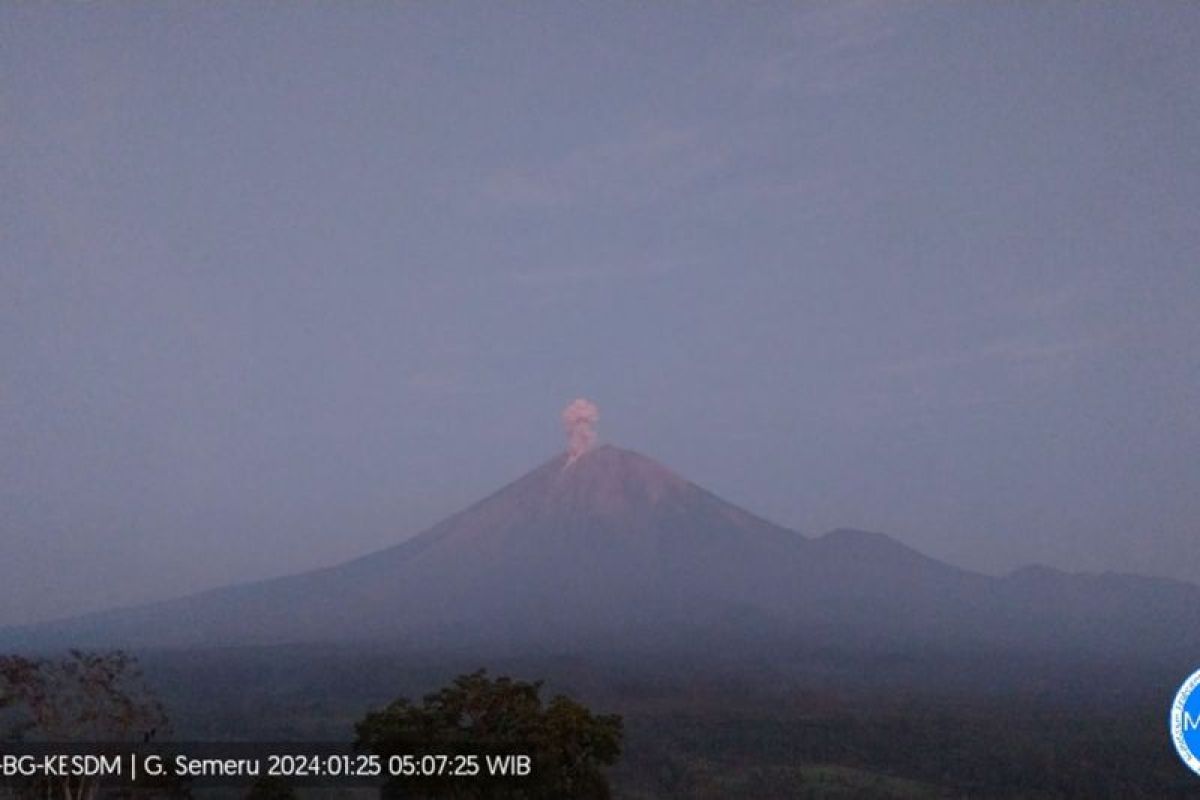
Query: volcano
x=610, y=549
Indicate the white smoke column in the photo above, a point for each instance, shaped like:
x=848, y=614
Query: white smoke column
x=579, y=420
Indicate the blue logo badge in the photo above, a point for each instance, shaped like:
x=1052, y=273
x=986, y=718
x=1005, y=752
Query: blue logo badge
x=1185, y=722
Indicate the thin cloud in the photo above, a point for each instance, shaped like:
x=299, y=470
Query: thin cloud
x=1011, y=352
x=572, y=277
x=651, y=161
x=834, y=47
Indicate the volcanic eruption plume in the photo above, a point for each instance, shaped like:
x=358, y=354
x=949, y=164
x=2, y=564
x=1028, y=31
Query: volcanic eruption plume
x=579, y=420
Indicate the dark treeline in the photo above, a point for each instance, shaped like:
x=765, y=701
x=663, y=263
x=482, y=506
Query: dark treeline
x=821, y=725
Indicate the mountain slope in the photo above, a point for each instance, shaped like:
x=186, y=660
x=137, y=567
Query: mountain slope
x=610, y=543
x=613, y=550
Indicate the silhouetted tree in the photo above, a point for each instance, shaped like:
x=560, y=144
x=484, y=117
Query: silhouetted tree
x=478, y=715
x=81, y=697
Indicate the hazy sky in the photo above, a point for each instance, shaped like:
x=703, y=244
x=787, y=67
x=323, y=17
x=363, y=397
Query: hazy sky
x=284, y=283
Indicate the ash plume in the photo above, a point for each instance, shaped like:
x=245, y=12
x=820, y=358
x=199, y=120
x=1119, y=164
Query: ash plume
x=579, y=421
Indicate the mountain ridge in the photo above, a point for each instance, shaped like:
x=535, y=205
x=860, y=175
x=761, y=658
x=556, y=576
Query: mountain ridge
x=612, y=549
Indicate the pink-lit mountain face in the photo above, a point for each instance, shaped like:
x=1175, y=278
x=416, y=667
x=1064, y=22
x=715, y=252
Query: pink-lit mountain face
x=614, y=550
x=609, y=545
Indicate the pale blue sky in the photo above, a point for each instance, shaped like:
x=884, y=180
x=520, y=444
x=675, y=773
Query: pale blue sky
x=284, y=283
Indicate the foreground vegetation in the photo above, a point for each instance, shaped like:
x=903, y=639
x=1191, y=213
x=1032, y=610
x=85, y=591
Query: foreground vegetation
x=962, y=752
x=476, y=716
x=823, y=728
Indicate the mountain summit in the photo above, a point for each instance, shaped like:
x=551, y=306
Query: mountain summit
x=602, y=547
x=604, y=482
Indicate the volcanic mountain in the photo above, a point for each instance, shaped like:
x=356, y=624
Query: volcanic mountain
x=611, y=549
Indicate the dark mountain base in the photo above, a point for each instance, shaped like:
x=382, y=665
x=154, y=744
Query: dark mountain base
x=820, y=724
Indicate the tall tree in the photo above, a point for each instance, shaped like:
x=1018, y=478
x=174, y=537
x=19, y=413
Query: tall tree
x=80, y=697
x=90, y=697
x=479, y=716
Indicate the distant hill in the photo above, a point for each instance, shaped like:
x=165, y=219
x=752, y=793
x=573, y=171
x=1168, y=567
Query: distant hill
x=614, y=551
